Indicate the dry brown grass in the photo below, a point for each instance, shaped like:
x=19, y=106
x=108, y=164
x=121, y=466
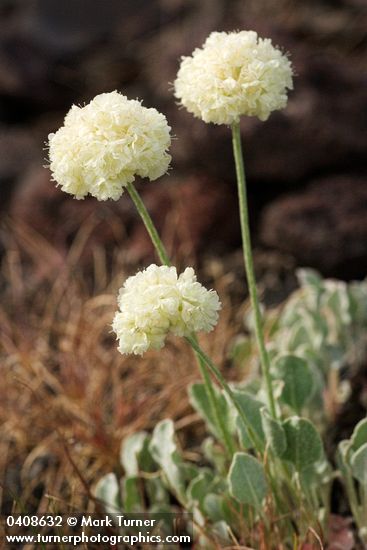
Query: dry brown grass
x=67, y=397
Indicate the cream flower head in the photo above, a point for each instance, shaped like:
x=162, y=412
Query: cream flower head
x=105, y=144
x=155, y=302
x=234, y=74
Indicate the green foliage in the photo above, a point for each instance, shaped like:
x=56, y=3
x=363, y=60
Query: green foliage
x=324, y=322
x=297, y=384
x=304, y=445
x=274, y=433
x=247, y=480
x=134, y=455
x=251, y=407
x=359, y=464
x=321, y=327
x=359, y=436
x=352, y=463
x=164, y=451
x=107, y=491
x=132, y=497
x=200, y=401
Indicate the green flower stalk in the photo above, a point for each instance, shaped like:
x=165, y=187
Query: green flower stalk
x=149, y=225
x=249, y=264
x=237, y=74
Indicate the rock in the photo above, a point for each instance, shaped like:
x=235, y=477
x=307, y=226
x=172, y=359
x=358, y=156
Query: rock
x=322, y=130
x=324, y=226
x=53, y=220
x=19, y=150
x=191, y=215
x=323, y=127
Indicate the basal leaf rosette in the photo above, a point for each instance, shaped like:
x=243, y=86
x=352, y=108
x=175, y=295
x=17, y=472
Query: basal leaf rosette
x=234, y=74
x=104, y=145
x=156, y=302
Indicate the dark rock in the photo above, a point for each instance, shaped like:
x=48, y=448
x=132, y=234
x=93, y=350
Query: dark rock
x=18, y=149
x=49, y=60
x=324, y=227
x=191, y=215
x=59, y=219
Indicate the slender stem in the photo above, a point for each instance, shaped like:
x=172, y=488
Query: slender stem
x=219, y=377
x=249, y=265
x=253, y=436
x=362, y=509
x=148, y=222
x=351, y=493
x=226, y=435
x=163, y=256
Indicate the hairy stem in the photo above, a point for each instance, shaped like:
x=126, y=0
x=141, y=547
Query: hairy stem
x=226, y=436
x=221, y=380
x=164, y=258
x=249, y=265
x=148, y=222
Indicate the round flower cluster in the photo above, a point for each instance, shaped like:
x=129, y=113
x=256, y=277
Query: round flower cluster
x=155, y=302
x=104, y=145
x=234, y=74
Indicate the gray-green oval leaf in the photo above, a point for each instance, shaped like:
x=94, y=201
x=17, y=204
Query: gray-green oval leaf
x=359, y=464
x=131, y=448
x=251, y=408
x=247, y=481
x=274, y=433
x=164, y=450
x=297, y=381
x=131, y=495
x=199, y=399
x=107, y=491
x=304, y=445
x=359, y=436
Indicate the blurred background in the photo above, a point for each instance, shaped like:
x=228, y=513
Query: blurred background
x=62, y=260
x=306, y=166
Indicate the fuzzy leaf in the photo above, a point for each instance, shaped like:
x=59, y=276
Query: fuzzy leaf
x=222, y=533
x=359, y=464
x=309, y=277
x=132, y=499
x=297, y=381
x=213, y=507
x=251, y=408
x=156, y=491
x=359, y=436
x=131, y=450
x=220, y=507
x=343, y=455
x=247, y=481
x=304, y=445
x=199, y=487
x=107, y=491
x=214, y=454
x=164, y=450
x=319, y=473
x=200, y=401
x=274, y=433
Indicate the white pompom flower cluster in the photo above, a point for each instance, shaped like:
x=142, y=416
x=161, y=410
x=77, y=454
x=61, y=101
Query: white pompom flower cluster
x=234, y=74
x=103, y=146
x=155, y=302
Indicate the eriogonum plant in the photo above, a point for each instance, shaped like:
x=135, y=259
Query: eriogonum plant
x=232, y=75
x=264, y=472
